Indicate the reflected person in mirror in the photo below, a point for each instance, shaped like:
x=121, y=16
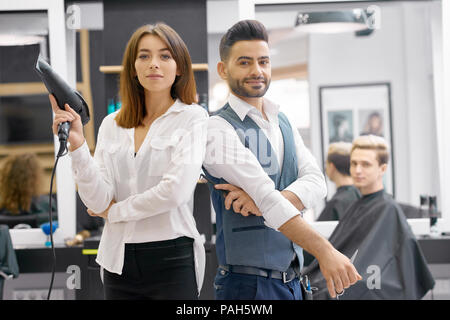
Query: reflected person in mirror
x=338, y=170
x=21, y=193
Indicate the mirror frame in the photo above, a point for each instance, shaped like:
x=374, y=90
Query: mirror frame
x=59, y=57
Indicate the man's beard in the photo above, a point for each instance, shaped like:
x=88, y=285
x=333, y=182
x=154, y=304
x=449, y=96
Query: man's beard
x=239, y=89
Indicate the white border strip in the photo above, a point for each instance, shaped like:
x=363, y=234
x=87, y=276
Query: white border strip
x=444, y=117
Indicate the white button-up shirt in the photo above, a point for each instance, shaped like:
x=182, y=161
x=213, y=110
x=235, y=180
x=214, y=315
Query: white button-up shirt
x=227, y=158
x=152, y=189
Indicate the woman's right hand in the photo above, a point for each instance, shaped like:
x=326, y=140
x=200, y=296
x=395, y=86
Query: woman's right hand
x=76, y=136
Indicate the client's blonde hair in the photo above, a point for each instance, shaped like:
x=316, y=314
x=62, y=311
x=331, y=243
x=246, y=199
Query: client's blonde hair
x=376, y=143
x=342, y=148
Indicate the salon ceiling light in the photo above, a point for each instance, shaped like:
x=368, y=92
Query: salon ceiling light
x=19, y=40
x=355, y=20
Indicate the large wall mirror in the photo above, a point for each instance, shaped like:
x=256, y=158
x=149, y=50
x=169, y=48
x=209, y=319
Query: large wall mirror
x=28, y=29
x=24, y=118
x=402, y=56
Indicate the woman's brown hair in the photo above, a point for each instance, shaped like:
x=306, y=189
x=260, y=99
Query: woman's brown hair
x=131, y=92
x=20, y=180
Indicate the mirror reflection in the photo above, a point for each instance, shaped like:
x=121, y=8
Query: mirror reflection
x=356, y=82
x=26, y=144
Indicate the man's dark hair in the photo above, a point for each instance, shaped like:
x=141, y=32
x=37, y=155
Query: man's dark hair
x=242, y=30
x=339, y=155
x=341, y=162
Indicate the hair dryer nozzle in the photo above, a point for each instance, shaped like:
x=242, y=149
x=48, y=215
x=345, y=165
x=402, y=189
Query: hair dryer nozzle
x=61, y=90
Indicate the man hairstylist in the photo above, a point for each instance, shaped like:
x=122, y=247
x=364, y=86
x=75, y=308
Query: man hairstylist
x=252, y=146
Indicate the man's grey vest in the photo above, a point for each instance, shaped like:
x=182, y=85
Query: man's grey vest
x=248, y=241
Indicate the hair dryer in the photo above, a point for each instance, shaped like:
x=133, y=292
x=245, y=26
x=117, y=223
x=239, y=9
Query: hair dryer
x=63, y=94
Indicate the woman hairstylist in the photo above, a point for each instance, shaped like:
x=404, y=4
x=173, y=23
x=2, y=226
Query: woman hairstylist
x=144, y=171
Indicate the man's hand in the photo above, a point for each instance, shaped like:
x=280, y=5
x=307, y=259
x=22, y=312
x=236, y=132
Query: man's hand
x=338, y=271
x=104, y=214
x=239, y=199
x=336, y=268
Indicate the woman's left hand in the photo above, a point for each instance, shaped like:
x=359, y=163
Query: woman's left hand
x=104, y=214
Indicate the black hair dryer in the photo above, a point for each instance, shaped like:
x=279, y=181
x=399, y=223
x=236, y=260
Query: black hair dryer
x=63, y=94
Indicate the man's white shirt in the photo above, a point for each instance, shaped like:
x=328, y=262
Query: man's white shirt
x=226, y=157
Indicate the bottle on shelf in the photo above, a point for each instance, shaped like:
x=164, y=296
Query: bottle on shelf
x=423, y=205
x=118, y=105
x=434, y=231
x=111, y=106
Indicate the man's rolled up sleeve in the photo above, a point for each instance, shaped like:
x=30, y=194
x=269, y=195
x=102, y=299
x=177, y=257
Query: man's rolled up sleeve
x=227, y=158
x=310, y=186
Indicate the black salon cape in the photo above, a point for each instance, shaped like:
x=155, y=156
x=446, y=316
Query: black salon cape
x=339, y=203
x=377, y=227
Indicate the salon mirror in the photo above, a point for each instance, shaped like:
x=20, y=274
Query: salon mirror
x=28, y=29
x=390, y=70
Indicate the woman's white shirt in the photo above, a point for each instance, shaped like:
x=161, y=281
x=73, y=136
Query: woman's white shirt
x=152, y=189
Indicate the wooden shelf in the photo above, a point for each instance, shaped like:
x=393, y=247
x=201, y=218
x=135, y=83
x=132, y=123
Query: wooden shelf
x=110, y=69
x=118, y=69
x=22, y=88
x=6, y=150
x=200, y=66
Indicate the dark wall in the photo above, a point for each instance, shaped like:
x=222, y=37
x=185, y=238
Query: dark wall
x=24, y=119
x=17, y=63
x=121, y=19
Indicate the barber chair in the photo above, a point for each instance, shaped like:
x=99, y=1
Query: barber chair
x=9, y=267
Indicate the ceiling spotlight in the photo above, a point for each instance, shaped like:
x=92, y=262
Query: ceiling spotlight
x=333, y=21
